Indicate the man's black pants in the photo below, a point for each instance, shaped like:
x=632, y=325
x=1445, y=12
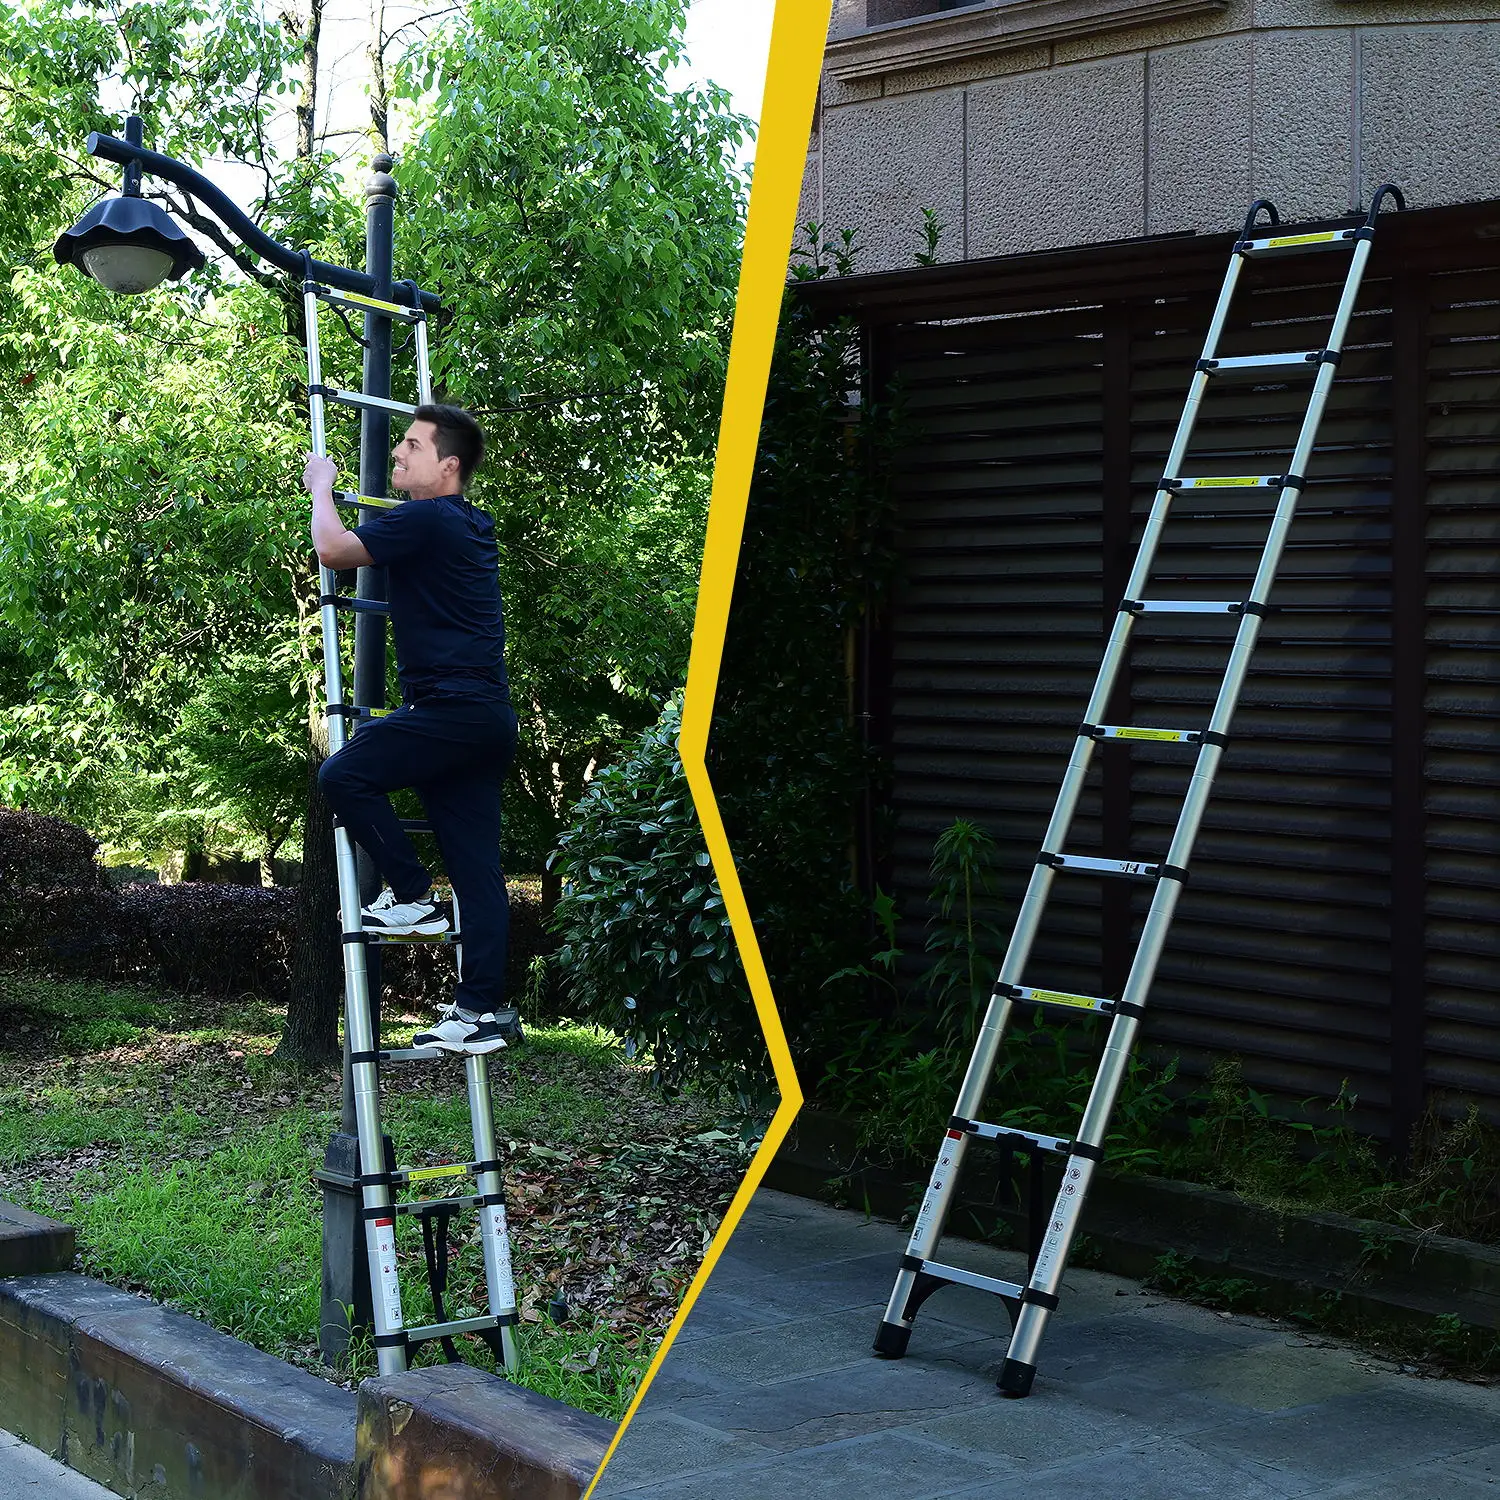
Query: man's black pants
x=455, y=752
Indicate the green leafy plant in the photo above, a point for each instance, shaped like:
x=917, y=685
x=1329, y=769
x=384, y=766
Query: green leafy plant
x=964, y=942
x=647, y=947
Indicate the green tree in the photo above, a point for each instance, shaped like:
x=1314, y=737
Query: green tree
x=583, y=221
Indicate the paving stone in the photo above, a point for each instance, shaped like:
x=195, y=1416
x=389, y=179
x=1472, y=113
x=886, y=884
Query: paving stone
x=1168, y=1470
x=826, y=1408
x=1275, y=1376
x=1346, y=1437
x=1035, y=1433
x=715, y=1315
x=883, y=1465
x=682, y=1377
x=1426, y=1482
x=1138, y=1397
x=1484, y=1462
x=1133, y=1346
x=669, y=1442
x=791, y=1349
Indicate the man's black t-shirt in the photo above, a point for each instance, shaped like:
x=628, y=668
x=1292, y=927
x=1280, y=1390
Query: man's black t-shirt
x=444, y=594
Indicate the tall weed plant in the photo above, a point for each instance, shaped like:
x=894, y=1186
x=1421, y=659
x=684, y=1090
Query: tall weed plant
x=647, y=948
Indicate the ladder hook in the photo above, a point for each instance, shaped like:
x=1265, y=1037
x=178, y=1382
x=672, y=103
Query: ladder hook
x=1255, y=208
x=1380, y=192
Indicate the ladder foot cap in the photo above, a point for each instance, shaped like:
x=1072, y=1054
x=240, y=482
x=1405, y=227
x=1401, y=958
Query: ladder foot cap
x=1015, y=1379
x=891, y=1340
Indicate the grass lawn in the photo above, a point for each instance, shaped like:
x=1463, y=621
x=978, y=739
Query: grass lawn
x=160, y=1127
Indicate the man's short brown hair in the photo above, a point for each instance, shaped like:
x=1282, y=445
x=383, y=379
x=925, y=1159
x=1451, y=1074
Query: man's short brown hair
x=458, y=436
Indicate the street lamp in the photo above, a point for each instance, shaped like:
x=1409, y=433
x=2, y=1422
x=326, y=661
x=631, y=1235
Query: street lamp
x=130, y=245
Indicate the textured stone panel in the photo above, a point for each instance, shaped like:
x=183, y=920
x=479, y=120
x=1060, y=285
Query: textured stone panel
x=1431, y=112
x=810, y=204
x=1284, y=13
x=1304, y=98
x=1198, y=138
x=886, y=161
x=838, y=91
x=1057, y=158
x=1234, y=17
x=969, y=69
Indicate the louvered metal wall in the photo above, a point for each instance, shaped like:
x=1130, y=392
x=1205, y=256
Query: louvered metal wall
x=1342, y=917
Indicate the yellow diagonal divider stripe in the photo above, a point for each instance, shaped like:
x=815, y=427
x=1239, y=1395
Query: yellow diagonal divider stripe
x=798, y=31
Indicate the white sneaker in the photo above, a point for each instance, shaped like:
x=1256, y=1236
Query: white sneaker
x=457, y=1032
x=386, y=914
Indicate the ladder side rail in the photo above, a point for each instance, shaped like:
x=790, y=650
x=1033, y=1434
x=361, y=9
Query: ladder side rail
x=1114, y=1063
x=494, y=1234
x=936, y=1200
x=424, y=371
x=379, y=1235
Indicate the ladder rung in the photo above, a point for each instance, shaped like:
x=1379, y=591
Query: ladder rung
x=1291, y=244
x=359, y=399
x=428, y=1174
x=1057, y=1143
x=415, y=825
x=1131, y=732
x=394, y=939
x=1238, y=482
x=354, y=711
x=463, y=1325
x=1131, y=869
x=416, y=1054
x=1310, y=361
x=336, y=298
x=1030, y=996
x=356, y=606
x=379, y=502
x=1182, y=606
x=416, y=1205
x=960, y=1277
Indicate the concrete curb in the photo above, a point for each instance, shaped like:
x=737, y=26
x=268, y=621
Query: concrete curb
x=31, y=1245
x=1354, y=1272
x=452, y=1430
x=155, y=1405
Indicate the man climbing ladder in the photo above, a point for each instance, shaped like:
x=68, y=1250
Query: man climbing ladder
x=454, y=736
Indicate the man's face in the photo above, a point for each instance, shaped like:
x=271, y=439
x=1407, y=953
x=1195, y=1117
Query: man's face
x=418, y=470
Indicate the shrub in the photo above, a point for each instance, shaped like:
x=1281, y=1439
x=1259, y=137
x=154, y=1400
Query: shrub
x=45, y=854
x=646, y=945
x=209, y=939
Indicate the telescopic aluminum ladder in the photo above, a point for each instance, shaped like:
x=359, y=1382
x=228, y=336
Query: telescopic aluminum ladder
x=394, y=1342
x=1031, y=1305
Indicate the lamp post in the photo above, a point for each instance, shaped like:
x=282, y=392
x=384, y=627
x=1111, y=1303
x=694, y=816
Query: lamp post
x=130, y=245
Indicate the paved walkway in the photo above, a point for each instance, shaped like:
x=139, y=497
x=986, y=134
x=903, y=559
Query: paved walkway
x=772, y=1392
x=26, y=1473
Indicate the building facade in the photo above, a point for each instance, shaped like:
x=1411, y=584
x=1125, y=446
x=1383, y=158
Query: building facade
x=1341, y=931
x=1036, y=124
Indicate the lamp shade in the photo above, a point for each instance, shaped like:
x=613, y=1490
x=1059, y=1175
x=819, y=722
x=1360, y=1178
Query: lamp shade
x=128, y=244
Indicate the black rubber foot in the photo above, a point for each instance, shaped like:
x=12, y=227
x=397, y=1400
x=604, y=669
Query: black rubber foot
x=891, y=1341
x=1015, y=1379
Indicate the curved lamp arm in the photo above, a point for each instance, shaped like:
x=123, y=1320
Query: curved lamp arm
x=293, y=262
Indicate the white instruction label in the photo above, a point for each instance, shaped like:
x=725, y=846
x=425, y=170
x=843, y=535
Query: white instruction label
x=501, y=1238
x=947, y=1158
x=390, y=1287
x=1056, y=1239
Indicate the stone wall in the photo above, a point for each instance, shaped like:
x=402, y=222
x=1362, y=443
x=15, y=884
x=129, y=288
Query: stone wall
x=1038, y=124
